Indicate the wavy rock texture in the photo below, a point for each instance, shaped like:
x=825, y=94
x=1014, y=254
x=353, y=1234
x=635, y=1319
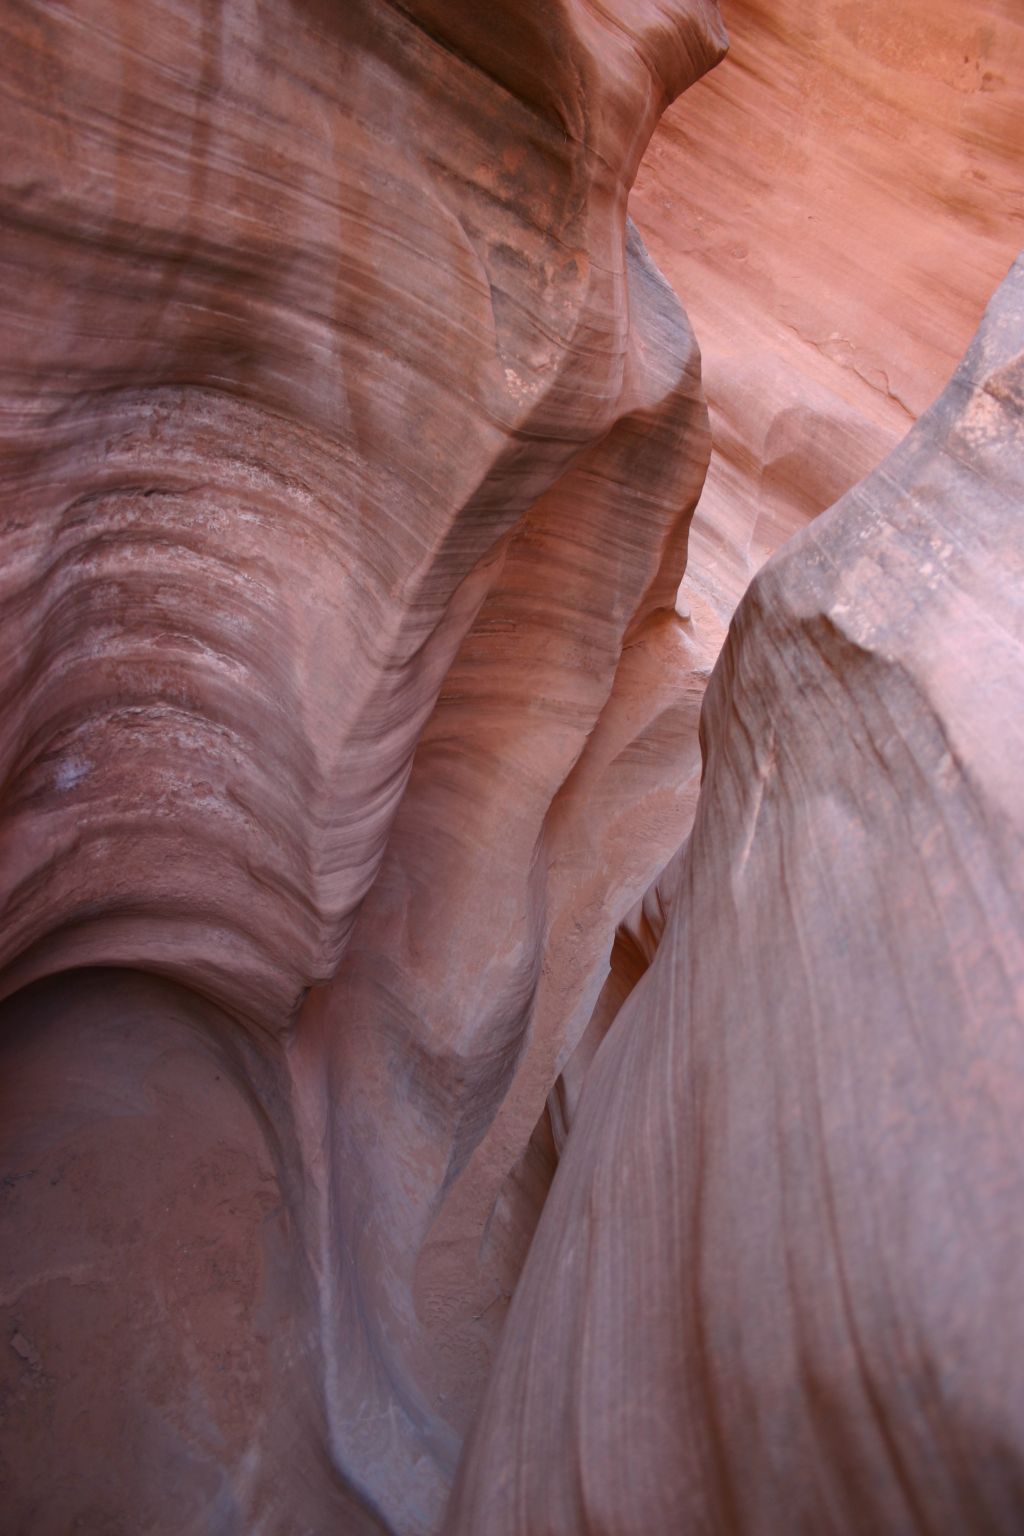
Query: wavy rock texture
x=349, y=444
x=291, y=349
x=837, y=201
x=775, y=1284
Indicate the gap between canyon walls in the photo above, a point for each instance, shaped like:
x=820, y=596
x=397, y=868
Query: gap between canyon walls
x=835, y=202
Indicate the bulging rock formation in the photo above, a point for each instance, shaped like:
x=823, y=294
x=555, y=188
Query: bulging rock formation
x=350, y=442
x=774, y=1286
x=836, y=202
x=306, y=307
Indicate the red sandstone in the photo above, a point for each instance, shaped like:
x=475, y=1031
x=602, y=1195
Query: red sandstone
x=356, y=948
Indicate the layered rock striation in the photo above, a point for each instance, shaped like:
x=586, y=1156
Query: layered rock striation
x=774, y=1284
x=349, y=442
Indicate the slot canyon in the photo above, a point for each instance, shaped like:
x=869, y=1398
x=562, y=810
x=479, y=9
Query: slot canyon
x=512, y=812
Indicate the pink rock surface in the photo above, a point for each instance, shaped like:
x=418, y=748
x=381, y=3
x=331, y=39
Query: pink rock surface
x=352, y=442
x=349, y=444
x=837, y=200
x=774, y=1285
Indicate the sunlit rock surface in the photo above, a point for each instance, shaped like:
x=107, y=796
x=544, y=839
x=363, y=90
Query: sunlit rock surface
x=836, y=204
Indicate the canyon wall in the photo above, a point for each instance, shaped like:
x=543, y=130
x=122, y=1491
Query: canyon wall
x=836, y=204
x=350, y=441
x=774, y=1284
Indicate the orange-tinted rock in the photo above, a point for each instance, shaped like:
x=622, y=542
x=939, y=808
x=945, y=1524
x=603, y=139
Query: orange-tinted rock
x=836, y=202
x=775, y=1284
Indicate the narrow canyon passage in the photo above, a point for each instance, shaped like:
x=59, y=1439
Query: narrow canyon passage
x=511, y=964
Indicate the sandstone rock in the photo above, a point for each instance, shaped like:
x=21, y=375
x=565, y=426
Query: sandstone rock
x=775, y=1284
x=165, y=1374
x=351, y=441
x=303, y=311
x=349, y=446
x=837, y=202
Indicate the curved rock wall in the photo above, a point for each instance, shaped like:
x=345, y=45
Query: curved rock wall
x=304, y=310
x=837, y=202
x=774, y=1285
x=352, y=442
x=349, y=442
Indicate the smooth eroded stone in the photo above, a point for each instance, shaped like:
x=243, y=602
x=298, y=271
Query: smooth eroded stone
x=776, y=1283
